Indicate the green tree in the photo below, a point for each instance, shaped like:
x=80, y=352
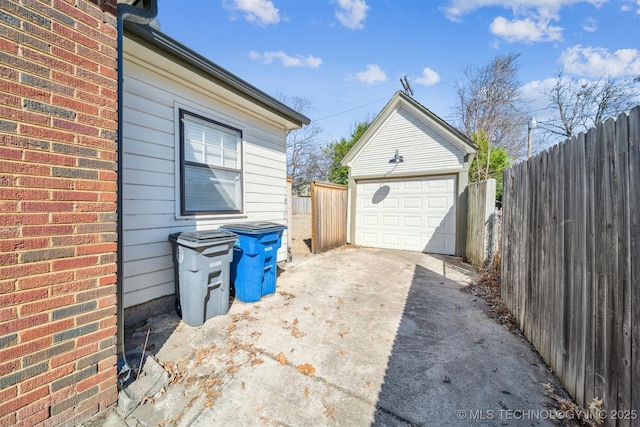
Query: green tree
x=499, y=160
x=339, y=174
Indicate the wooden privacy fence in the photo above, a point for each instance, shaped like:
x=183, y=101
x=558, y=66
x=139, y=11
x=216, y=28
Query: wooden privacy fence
x=301, y=205
x=328, y=216
x=571, y=261
x=481, y=222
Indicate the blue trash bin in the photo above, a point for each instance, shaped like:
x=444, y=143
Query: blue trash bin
x=255, y=256
x=201, y=260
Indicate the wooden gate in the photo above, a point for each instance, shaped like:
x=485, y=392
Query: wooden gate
x=328, y=216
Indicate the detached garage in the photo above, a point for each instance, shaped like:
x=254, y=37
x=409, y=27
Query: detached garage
x=407, y=180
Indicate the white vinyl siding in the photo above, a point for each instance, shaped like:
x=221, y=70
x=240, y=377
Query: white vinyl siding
x=423, y=148
x=154, y=90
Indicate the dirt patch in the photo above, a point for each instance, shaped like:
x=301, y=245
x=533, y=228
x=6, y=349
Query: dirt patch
x=301, y=236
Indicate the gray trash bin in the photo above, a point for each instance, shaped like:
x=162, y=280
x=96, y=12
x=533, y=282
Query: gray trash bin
x=201, y=260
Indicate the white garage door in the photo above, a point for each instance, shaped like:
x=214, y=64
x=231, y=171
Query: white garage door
x=417, y=214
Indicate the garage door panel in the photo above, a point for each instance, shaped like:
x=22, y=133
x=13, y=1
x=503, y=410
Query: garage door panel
x=438, y=184
x=390, y=221
x=412, y=185
x=412, y=203
x=412, y=214
x=441, y=203
x=370, y=220
x=412, y=221
x=390, y=239
x=369, y=239
x=391, y=203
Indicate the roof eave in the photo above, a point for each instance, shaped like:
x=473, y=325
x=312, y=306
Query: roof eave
x=164, y=43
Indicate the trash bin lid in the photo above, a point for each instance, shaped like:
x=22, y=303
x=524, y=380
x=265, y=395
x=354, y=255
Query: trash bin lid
x=254, y=226
x=201, y=238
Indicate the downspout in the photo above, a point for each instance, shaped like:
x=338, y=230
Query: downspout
x=140, y=16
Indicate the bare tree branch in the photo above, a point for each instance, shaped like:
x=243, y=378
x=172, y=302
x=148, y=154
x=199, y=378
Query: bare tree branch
x=580, y=104
x=489, y=103
x=306, y=156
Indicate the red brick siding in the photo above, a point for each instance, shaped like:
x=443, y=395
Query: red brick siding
x=58, y=127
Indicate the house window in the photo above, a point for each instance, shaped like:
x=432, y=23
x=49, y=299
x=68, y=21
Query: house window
x=210, y=166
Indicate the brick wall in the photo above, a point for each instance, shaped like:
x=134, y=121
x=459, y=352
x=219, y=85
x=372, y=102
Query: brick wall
x=58, y=127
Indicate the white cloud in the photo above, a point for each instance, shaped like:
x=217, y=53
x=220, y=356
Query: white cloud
x=373, y=74
x=533, y=93
x=630, y=6
x=596, y=62
x=531, y=20
x=590, y=25
x=429, y=78
x=262, y=12
x=352, y=13
x=455, y=9
x=525, y=30
x=286, y=60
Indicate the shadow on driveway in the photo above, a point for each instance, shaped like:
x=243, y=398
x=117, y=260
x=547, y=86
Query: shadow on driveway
x=450, y=365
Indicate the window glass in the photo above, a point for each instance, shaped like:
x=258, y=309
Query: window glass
x=211, y=166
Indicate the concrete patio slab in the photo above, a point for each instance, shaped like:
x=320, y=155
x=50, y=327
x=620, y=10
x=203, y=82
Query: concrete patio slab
x=352, y=337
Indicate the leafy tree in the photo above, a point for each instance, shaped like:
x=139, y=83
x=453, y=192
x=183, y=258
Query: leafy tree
x=336, y=151
x=496, y=157
x=489, y=103
x=579, y=105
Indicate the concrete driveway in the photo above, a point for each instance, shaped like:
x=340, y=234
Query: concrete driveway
x=352, y=337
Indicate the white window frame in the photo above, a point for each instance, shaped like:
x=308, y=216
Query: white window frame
x=181, y=208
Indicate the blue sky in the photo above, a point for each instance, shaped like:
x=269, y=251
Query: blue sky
x=347, y=56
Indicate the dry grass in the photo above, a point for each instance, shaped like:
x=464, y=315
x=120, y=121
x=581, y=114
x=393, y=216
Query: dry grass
x=487, y=287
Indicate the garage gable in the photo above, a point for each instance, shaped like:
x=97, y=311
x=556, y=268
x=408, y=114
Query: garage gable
x=427, y=143
x=422, y=147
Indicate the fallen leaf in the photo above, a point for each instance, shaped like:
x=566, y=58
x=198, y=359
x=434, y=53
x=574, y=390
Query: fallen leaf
x=329, y=411
x=369, y=384
x=295, y=321
x=233, y=369
x=341, y=352
x=286, y=295
x=242, y=386
x=307, y=369
x=208, y=403
x=255, y=362
x=282, y=358
x=306, y=308
x=296, y=333
x=210, y=382
x=341, y=334
x=306, y=392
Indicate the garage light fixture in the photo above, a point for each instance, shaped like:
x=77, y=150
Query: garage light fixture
x=397, y=158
